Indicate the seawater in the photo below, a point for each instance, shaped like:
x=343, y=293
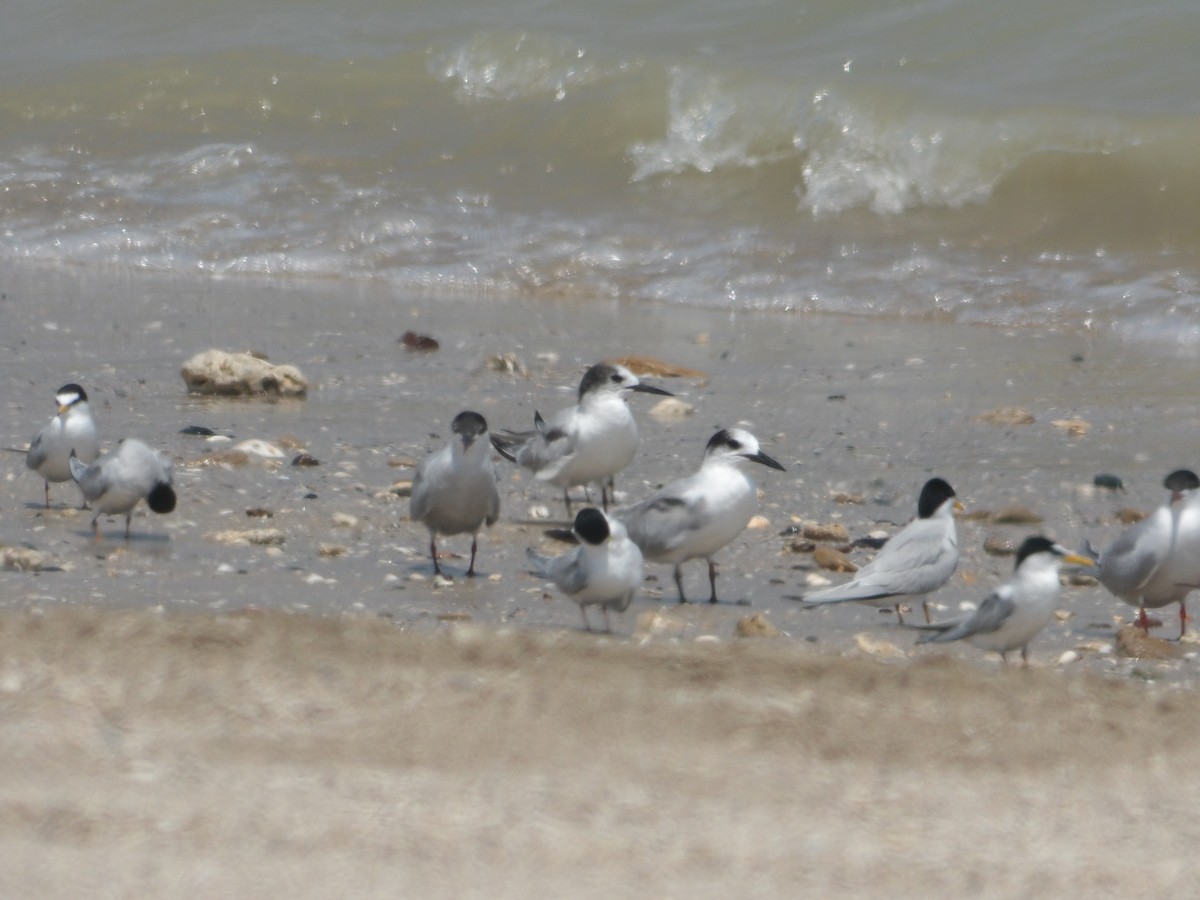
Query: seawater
x=1026, y=164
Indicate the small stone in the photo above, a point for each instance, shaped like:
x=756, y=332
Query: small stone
x=658, y=623
x=802, y=545
x=345, y=520
x=421, y=343
x=1068, y=657
x=241, y=374
x=507, y=364
x=441, y=581
x=260, y=448
x=996, y=545
x=671, y=409
x=844, y=499
x=657, y=368
x=758, y=523
x=755, y=625
x=305, y=459
x=833, y=560
x=259, y=537
x=402, y=488
x=817, y=580
x=331, y=550
x=1135, y=643
x=260, y=512
x=1016, y=514
x=23, y=559
x=1074, y=427
x=1007, y=415
x=454, y=616
x=1109, y=482
x=833, y=532
x=1129, y=516
x=873, y=646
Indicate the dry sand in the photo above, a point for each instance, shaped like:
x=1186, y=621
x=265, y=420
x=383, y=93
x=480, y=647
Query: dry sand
x=187, y=718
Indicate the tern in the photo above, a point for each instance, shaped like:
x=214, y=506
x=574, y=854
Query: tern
x=584, y=444
x=605, y=570
x=1156, y=561
x=1015, y=612
x=454, y=490
x=696, y=516
x=119, y=479
x=72, y=429
x=915, y=561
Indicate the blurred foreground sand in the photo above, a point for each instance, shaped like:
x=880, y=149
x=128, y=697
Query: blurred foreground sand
x=274, y=754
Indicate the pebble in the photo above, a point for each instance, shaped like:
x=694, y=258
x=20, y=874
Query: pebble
x=1074, y=427
x=421, y=343
x=873, y=646
x=1068, y=657
x=1007, y=415
x=1016, y=514
x=506, y=363
x=345, y=520
x=331, y=550
x=657, y=368
x=996, y=545
x=259, y=537
x=23, y=559
x=241, y=374
x=755, y=625
x=1129, y=516
x=258, y=447
x=833, y=532
x=833, y=560
x=671, y=409
x=758, y=523
x=1135, y=643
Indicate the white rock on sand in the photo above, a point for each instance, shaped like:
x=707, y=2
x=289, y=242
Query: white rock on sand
x=241, y=374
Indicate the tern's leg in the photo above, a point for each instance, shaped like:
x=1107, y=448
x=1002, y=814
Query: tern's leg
x=712, y=581
x=607, y=625
x=437, y=569
x=1025, y=656
x=925, y=607
x=583, y=612
x=567, y=500
x=1183, y=618
x=471, y=567
x=47, y=495
x=128, y=519
x=1143, y=620
x=900, y=614
x=679, y=583
x=96, y=528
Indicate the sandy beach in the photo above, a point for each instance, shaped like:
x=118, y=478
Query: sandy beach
x=184, y=716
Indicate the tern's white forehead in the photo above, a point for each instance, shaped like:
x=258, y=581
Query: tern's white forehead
x=66, y=398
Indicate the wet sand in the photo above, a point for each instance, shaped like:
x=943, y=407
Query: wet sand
x=193, y=718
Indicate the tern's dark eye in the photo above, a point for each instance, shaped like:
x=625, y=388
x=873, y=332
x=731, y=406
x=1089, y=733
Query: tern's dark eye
x=616, y=378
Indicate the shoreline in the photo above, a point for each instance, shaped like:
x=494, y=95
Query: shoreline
x=315, y=713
